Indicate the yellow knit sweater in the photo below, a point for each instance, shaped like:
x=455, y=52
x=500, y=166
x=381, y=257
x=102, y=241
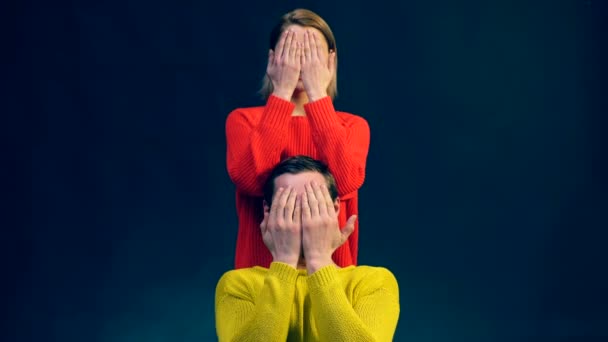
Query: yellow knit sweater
x=281, y=303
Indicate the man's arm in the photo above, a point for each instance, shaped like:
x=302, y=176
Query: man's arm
x=373, y=314
x=244, y=315
x=241, y=315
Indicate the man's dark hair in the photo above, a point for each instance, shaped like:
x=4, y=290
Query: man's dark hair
x=294, y=166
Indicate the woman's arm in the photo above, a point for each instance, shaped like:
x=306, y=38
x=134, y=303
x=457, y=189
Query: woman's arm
x=342, y=144
x=254, y=148
x=244, y=316
x=373, y=314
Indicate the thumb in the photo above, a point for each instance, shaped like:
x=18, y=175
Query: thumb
x=349, y=228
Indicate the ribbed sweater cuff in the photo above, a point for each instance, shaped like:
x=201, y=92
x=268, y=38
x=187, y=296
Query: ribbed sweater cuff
x=321, y=112
x=322, y=278
x=283, y=272
x=277, y=112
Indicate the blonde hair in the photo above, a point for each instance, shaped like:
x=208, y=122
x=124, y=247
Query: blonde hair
x=305, y=18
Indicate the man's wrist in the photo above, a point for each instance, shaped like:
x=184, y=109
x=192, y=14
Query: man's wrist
x=289, y=260
x=315, y=264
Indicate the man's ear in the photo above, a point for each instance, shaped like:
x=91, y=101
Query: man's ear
x=266, y=207
x=337, y=205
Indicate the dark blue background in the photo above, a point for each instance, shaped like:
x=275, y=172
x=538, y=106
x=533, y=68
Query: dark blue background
x=486, y=191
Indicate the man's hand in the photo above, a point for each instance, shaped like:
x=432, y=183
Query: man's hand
x=282, y=227
x=284, y=65
x=321, y=234
x=317, y=70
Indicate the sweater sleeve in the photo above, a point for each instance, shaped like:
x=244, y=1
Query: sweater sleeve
x=373, y=314
x=241, y=315
x=254, y=148
x=342, y=144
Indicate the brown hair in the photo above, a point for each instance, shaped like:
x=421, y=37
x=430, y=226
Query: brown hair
x=304, y=18
x=294, y=166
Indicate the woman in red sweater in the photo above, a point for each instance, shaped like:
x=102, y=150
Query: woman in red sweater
x=298, y=119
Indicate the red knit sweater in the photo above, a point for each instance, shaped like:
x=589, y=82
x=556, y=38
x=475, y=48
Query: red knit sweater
x=258, y=138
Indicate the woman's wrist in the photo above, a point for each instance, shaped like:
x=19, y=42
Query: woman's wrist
x=283, y=94
x=315, y=95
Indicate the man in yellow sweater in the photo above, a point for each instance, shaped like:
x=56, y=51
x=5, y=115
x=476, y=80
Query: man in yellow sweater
x=304, y=295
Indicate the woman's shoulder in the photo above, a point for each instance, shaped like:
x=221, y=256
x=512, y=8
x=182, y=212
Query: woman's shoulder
x=250, y=115
x=349, y=115
x=352, y=119
x=247, y=111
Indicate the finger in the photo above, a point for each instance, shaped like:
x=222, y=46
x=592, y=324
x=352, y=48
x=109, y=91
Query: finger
x=306, y=212
x=313, y=203
x=299, y=54
x=295, y=57
x=307, y=53
x=313, y=46
x=329, y=202
x=349, y=228
x=270, y=57
x=320, y=198
x=290, y=206
x=275, y=202
x=279, y=49
x=287, y=47
x=283, y=203
x=297, y=212
x=294, y=47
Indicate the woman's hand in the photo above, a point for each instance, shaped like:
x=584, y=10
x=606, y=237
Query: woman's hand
x=318, y=68
x=282, y=227
x=284, y=65
x=321, y=234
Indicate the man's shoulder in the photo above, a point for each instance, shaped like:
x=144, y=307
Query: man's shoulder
x=240, y=280
x=380, y=276
x=367, y=269
x=244, y=273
